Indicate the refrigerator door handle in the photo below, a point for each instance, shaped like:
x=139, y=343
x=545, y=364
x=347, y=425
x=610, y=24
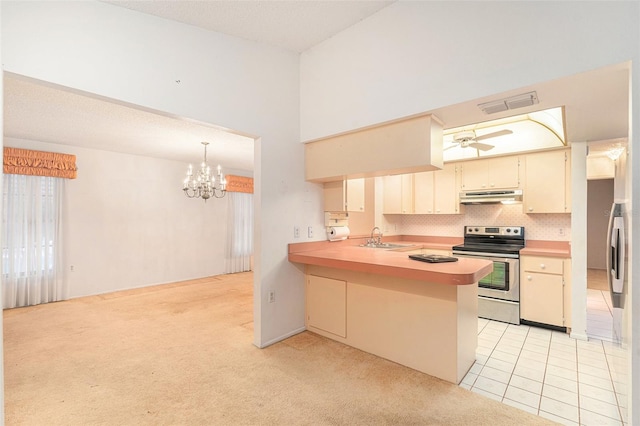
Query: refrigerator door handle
x=617, y=279
x=615, y=250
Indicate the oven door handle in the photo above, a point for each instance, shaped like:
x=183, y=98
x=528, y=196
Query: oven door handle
x=486, y=255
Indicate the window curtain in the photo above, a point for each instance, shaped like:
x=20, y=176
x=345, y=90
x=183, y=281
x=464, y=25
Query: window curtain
x=31, y=240
x=240, y=226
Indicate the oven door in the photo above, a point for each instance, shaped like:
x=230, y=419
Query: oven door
x=504, y=282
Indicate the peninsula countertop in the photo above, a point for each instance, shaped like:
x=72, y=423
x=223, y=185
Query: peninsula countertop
x=389, y=262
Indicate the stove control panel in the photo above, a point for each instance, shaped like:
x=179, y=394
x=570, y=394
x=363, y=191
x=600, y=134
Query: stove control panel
x=494, y=230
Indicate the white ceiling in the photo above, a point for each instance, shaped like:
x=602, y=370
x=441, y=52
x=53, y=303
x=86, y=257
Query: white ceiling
x=35, y=111
x=596, y=103
x=294, y=25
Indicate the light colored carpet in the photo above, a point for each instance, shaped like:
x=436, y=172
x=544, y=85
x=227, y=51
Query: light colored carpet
x=182, y=354
x=597, y=279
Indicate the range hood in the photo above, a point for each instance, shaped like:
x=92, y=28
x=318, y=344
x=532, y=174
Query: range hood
x=491, y=197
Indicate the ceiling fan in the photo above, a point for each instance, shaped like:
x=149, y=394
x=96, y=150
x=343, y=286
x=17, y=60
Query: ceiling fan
x=469, y=139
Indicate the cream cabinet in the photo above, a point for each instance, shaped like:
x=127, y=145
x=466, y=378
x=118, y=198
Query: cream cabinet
x=446, y=193
x=424, y=194
x=345, y=195
x=437, y=192
x=547, y=182
x=545, y=290
x=327, y=305
x=600, y=167
x=491, y=173
x=397, y=194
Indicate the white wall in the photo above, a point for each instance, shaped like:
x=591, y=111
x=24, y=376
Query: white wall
x=599, y=200
x=127, y=223
x=136, y=58
x=413, y=57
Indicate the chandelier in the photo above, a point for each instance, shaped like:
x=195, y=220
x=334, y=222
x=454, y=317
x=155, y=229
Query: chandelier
x=203, y=184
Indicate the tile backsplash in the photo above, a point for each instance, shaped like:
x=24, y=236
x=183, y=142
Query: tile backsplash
x=542, y=226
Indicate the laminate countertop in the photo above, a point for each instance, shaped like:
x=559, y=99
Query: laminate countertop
x=389, y=262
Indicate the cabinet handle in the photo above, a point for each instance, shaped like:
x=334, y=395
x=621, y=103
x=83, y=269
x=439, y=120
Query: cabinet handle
x=529, y=277
x=530, y=209
x=492, y=185
x=542, y=266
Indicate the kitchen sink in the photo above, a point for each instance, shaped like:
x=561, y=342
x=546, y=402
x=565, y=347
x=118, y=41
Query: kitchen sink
x=386, y=245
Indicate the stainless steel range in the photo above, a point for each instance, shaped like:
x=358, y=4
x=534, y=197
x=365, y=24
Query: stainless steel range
x=498, y=292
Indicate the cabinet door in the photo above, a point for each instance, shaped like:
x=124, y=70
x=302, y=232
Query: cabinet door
x=392, y=194
x=398, y=194
x=355, y=195
x=407, y=194
x=475, y=175
x=504, y=172
x=327, y=305
x=446, y=190
x=545, y=182
x=344, y=195
x=542, y=298
x=334, y=193
x=423, y=192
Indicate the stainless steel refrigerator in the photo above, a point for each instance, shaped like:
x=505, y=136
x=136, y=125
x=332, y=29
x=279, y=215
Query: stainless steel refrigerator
x=617, y=274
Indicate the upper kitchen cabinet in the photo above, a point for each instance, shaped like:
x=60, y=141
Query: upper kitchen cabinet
x=491, y=173
x=403, y=146
x=424, y=192
x=437, y=192
x=346, y=195
x=547, y=182
x=397, y=194
x=600, y=167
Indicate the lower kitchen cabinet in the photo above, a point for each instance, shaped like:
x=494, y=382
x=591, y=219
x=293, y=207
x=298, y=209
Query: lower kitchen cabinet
x=428, y=326
x=545, y=295
x=327, y=305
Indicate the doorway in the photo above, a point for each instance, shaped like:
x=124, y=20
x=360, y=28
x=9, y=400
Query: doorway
x=599, y=308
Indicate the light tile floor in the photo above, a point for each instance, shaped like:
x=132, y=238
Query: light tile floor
x=549, y=374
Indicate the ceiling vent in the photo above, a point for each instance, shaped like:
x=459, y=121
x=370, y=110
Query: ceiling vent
x=518, y=101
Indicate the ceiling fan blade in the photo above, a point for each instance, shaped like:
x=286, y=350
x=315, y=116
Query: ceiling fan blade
x=449, y=147
x=494, y=134
x=481, y=146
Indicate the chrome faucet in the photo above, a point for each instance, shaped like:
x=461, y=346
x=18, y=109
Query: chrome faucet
x=377, y=240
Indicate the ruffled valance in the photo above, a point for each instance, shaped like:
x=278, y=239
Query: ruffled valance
x=18, y=161
x=239, y=184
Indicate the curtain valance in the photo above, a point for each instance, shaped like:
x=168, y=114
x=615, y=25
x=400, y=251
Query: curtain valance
x=18, y=161
x=239, y=184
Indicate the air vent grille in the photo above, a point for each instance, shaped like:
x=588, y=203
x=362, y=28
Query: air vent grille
x=513, y=102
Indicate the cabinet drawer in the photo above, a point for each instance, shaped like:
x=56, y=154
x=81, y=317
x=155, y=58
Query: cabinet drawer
x=546, y=265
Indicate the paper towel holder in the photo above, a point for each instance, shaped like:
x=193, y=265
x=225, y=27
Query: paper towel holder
x=336, y=219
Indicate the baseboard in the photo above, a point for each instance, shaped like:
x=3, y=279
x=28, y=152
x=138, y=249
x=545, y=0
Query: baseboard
x=281, y=338
x=579, y=336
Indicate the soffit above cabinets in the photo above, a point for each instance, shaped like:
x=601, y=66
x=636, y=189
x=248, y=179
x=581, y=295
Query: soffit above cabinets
x=520, y=133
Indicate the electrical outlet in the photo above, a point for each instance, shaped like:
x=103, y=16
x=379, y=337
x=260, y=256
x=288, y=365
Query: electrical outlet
x=296, y=232
x=71, y=268
x=310, y=232
x=272, y=296
x=561, y=231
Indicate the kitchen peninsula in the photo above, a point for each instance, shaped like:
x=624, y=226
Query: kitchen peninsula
x=421, y=315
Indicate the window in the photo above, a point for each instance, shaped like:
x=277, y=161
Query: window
x=31, y=240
